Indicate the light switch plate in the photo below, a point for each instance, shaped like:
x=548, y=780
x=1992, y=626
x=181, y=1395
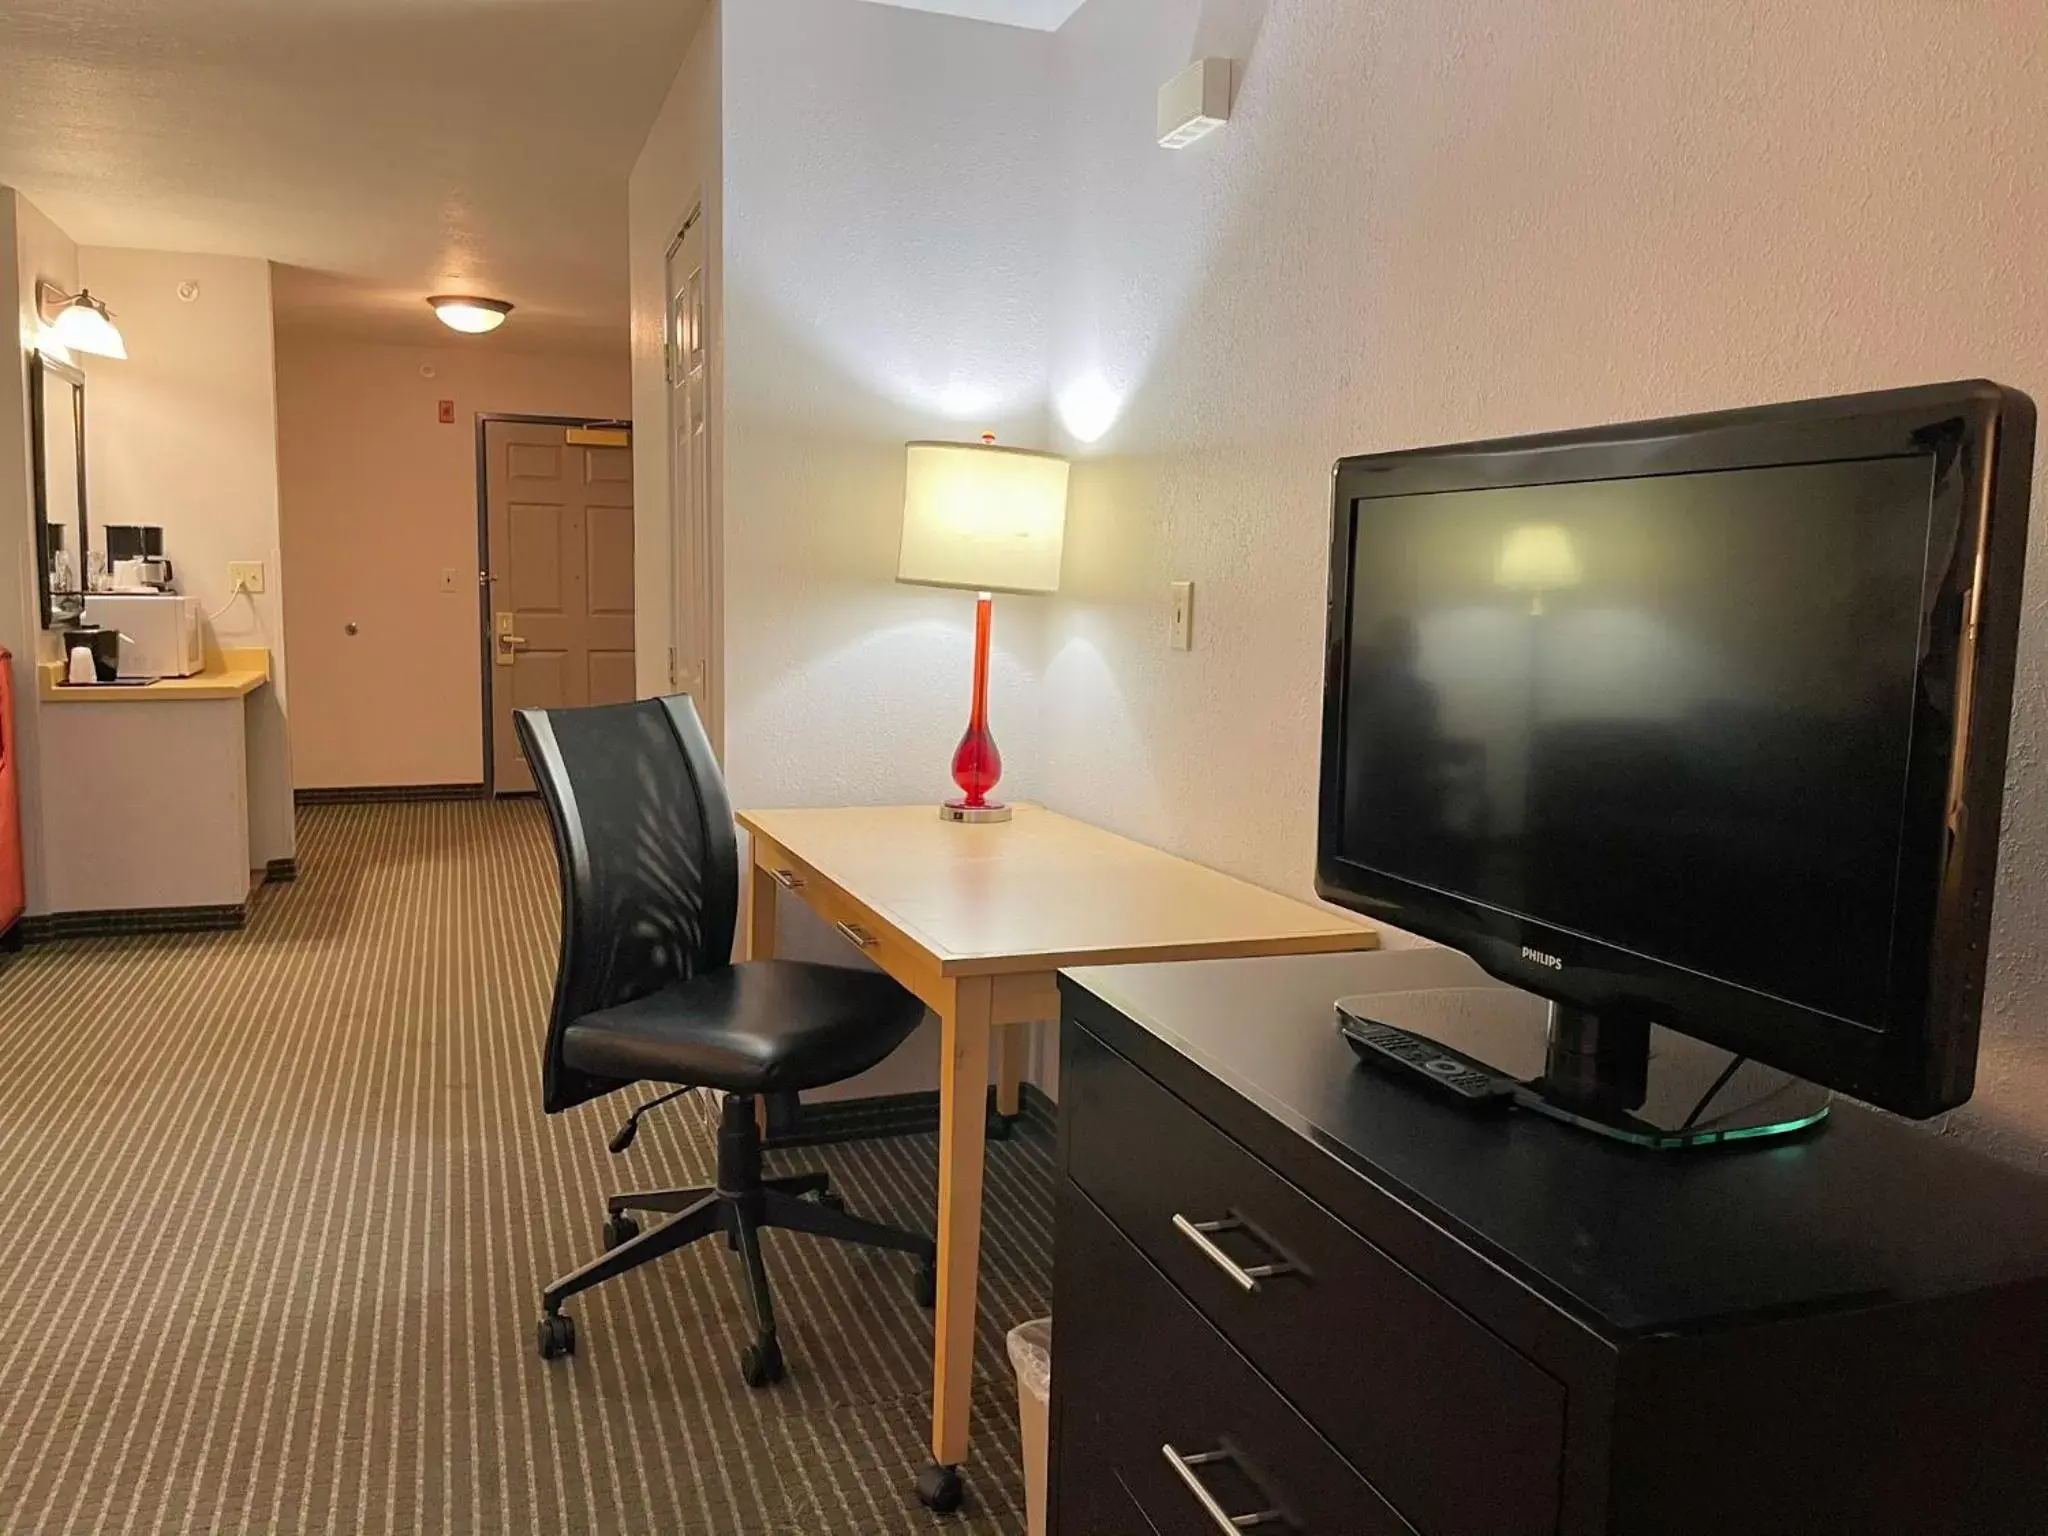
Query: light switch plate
x=245, y=575
x=448, y=578
x=1183, y=632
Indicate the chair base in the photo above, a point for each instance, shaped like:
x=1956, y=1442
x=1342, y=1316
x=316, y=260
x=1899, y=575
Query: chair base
x=741, y=1206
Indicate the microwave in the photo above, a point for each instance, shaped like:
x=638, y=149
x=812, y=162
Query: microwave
x=162, y=634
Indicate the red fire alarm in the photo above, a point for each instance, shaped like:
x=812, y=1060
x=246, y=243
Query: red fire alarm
x=447, y=413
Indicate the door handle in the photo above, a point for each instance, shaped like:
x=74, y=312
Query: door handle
x=508, y=642
x=1246, y=1277
x=856, y=935
x=788, y=879
x=1185, y=1468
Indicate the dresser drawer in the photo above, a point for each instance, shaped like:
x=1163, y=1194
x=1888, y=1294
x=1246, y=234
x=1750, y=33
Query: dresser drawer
x=1138, y=1374
x=1463, y=1434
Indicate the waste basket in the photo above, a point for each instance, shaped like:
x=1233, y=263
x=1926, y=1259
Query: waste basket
x=1031, y=1354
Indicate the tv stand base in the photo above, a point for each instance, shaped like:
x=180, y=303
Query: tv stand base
x=1624, y=1079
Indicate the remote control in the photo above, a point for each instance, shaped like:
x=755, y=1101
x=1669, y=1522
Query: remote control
x=1398, y=1051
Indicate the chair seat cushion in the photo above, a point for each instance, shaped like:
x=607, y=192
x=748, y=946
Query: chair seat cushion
x=766, y=1026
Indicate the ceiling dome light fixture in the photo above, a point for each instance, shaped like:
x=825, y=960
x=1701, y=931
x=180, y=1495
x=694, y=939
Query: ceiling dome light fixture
x=79, y=322
x=468, y=314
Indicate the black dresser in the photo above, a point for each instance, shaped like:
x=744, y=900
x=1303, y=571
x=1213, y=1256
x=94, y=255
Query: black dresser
x=1286, y=1286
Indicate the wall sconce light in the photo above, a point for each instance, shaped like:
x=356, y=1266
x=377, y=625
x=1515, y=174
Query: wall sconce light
x=79, y=322
x=469, y=314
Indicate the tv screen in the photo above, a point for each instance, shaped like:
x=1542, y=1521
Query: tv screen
x=1672, y=719
x=1562, y=696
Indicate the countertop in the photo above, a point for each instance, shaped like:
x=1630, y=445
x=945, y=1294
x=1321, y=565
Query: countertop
x=234, y=674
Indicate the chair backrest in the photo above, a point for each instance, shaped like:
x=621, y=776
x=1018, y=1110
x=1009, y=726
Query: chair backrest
x=649, y=861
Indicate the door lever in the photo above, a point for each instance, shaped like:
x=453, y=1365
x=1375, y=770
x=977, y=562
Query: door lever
x=508, y=642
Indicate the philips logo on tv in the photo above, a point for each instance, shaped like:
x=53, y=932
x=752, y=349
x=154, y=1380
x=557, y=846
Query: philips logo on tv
x=1541, y=958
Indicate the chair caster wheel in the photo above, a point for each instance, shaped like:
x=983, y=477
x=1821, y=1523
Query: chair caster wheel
x=926, y=1286
x=939, y=1488
x=761, y=1364
x=557, y=1334
x=831, y=1199
x=619, y=1230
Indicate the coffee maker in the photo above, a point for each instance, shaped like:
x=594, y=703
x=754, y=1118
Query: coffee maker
x=135, y=558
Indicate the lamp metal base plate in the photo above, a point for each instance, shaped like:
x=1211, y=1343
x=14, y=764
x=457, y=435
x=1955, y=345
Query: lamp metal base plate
x=974, y=815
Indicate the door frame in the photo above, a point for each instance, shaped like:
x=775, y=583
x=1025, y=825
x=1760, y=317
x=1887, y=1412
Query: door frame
x=696, y=553
x=486, y=660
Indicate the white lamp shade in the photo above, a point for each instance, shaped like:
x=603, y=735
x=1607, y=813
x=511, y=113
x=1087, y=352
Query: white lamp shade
x=1537, y=557
x=82, y=326
x=984, y=518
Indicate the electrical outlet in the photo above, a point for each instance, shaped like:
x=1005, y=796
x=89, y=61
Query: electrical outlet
x=448, y=578
x=1183, y=633
x=245, y=575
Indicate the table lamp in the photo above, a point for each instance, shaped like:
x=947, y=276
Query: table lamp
x=985, y=520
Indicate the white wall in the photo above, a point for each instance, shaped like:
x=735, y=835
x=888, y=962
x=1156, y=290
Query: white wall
x=878, y=190
x=379, y=498
x=1469, y=219
x=887, y=275
x=679, y=169
x=32, y=250
x=1426, y=223
x=184, y=434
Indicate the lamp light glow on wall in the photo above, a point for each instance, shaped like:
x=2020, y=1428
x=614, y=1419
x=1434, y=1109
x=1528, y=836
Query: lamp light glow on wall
x=1089, y=407
x=468, y=314
x=985, y=520
x=79, y=322
x=1537, y=558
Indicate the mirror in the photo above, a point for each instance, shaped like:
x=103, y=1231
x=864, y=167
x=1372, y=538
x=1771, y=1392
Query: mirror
x=56, y=396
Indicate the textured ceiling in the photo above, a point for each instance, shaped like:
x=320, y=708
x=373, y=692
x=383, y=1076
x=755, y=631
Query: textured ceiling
x=381, y=149
x=1045, y=15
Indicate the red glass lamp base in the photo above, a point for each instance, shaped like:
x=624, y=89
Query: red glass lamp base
x=977, y=763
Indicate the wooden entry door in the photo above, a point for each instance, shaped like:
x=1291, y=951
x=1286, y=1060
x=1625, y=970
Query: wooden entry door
x=559, y=502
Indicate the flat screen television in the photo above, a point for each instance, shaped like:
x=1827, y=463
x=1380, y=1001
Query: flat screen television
x=1697, y=724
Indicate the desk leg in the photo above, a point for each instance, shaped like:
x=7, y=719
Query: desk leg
x=761, y=892
x=1012, y=1041
x=963, y=1094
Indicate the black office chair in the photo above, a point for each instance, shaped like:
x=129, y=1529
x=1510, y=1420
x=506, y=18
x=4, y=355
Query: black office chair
x=647, y=992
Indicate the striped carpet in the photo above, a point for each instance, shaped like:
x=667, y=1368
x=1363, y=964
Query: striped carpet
x=275, y=1204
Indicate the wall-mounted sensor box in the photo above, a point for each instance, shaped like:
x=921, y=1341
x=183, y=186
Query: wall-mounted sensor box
x=1194, y=103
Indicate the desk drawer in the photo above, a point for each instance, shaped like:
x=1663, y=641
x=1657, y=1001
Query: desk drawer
x=1463, y=1434
x=860, y=928
x=1137, y=1370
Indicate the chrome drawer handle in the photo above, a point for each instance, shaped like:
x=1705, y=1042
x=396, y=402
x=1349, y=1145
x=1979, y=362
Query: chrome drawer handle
x=1184, y=1469
x=856, y=935
x=788, y=879
x=1246, y=1277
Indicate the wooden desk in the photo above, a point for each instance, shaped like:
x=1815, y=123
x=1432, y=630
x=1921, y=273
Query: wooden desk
x=977, y=921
